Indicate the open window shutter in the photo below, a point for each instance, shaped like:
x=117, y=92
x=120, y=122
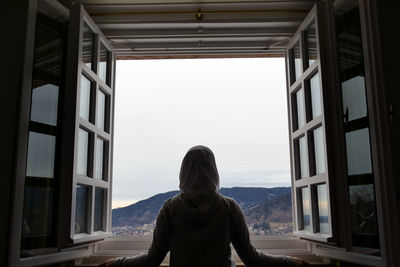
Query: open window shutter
x=88, y=135
x=307, y=88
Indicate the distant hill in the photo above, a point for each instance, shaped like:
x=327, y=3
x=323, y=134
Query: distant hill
x=259, y=205
x=277, y=209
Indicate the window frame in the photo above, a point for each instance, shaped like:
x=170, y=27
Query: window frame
x=380, y=127
x=47, y=255
x=75, y=69
x=358, y=124
x=306, y=131
x=379, y=147
x=339, y=246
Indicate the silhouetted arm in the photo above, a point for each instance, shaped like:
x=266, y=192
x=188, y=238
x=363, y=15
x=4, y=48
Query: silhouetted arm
x=158, y=249
x=247, y=253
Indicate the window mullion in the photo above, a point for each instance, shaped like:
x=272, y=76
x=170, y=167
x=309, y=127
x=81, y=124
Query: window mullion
x=91, y=210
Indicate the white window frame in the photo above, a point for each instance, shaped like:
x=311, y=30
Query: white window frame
x=76, y=68
x=306, y=131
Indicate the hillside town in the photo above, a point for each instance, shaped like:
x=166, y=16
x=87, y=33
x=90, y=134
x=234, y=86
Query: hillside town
x=267, y=211
x=267, y=229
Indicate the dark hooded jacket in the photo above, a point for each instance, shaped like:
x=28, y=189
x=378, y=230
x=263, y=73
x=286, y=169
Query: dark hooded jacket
x=198, y=225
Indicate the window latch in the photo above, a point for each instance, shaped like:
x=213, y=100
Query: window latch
x=346, y=116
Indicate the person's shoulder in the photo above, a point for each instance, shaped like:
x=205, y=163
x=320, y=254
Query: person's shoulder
x=172, y=200
x=230, y=202
x=169, y=206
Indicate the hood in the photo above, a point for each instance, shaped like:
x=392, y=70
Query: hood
x=198, y=175
x=199, y=184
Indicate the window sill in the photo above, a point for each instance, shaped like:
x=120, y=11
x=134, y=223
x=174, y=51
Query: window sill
x=123, y=245
x=316, y=254
x=54, y=257
x=313, y=236
x=348, y=256
x=274, y=245
x=81, y=238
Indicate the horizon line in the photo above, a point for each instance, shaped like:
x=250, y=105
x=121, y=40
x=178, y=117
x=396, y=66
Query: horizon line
x=124, y=203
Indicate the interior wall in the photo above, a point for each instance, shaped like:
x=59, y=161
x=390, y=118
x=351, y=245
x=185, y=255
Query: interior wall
x=13, y=25
x=389, y=21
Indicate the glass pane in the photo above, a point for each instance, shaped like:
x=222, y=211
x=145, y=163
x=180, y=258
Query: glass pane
x=40, y=202
x=315, y=96
x=103, y=63
x=311, y=43
x=363, y=210
x=358, y=152
x=82, y=196
x=82, y=161
x=305, y=195
x=48, y=65
x=44, y=104
x=354, y=99
x=38, y=211
x=84, y=105
x=87, y=45
x=297, y=61
x=99, y=158
x=41, y=153
x=300, y=108
x=101, y=107
x=319, y=149
x=303, y=157
x=323, y=208
x=99, y=209
x=359, y=162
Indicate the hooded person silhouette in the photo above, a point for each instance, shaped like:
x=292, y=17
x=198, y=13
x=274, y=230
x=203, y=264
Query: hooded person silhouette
x=198, y=225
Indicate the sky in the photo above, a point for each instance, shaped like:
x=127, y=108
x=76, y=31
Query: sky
x=236, y=107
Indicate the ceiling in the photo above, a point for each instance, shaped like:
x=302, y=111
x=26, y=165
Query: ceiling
x=197, y=28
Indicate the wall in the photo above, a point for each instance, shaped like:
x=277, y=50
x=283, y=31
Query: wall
x=13, y=25
x=389, y=21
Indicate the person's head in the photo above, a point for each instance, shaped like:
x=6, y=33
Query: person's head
x=199, y=173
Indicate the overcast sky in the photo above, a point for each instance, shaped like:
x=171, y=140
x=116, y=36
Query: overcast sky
x=237, y=107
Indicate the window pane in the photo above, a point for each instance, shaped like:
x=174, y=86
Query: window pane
x=323, y=208
x=82, y=196
x=99, y=158
x=303, y=157
x=300, y=108
x=315, y=96
x=358, y=152
x=44, y=104
x=297, y=61
x=359, y=160
x=363, y=212
x=99, y=209
x=101, y=106
x=38, y=212
x=103, y=64
x=311, y=43
x=41, y=153
x=39, y=196
x=354, y=99
x=84, y=105
x=48, y=64
x=305, y=195
x=83, y=143
x=87, y=46
x=319, y=149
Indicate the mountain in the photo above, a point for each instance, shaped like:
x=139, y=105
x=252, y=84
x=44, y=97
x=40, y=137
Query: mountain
x=277, y=209
x=259, y=205
x=142, y=212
